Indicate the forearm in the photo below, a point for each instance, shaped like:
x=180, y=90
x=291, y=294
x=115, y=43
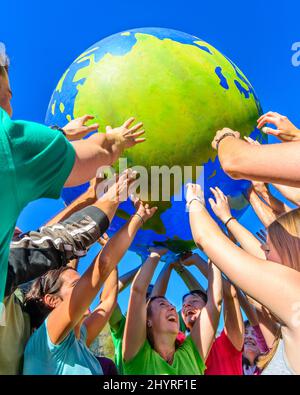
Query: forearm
x=127, y=279
x=189, y=280
x=233, y=319
x=248, y=309
x=291, y=193
x=91, y=154
x=144, y=275
x=265, y=214
x=215, y=287
x=117, y=246
x=81, y=202
x=237, y=160
x=245, y=238
x=161, y=284
x=101, y=315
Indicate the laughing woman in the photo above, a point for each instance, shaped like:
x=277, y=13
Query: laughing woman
x=149, y=344
x=274, y=282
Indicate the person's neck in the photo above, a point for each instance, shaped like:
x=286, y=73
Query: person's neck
x=251, y=356
x=77, y=331
x=164, y=345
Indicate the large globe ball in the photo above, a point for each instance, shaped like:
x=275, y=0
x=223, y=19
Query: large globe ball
x=183, y=90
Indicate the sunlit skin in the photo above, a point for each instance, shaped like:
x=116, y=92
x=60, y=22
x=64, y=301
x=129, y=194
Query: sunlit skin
x=163, y=319
x=69, y=280
x=270, y=251
x=191, y=308
x=5, y=94
x=251, y=349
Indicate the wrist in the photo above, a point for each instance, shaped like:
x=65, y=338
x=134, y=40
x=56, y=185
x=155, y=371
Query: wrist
x=228, y=221
x=223, y=137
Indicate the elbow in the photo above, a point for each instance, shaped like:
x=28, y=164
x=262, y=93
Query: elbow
x=231, y=166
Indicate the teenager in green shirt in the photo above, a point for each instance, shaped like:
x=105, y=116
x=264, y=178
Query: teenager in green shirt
x=149, y=344
x=36, y=162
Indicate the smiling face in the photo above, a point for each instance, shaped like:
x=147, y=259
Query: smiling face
x=250, y=343
x=191, y=308
x=5, y=92
x=162, y=317
x=69, y=279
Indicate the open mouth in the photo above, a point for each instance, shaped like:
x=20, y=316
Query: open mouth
x=250, y=342
x=172, y=318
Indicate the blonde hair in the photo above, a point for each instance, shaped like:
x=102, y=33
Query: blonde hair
x=284, y=234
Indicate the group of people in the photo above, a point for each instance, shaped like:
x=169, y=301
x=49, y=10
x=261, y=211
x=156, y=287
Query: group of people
x=46, y=325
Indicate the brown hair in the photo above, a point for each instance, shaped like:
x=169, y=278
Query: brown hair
x=49, y=283
x=149, y=313
x=284, y=234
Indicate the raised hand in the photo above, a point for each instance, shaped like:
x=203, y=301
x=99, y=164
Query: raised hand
x=188, y=259
x=76, y=129
x=286, y=130
x=159, y=251
x=125, y=137
x=194, y=192
x=118, y=190
x=223, y=133
x=220, y=206
x=144, y=211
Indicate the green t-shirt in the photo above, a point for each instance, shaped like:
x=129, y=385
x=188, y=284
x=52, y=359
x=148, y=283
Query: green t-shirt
x=14, y=334
x=35, y=162
x=117, y=338
x=187, y=361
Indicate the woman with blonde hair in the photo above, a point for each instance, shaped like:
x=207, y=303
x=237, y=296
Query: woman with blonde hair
x=274, y=282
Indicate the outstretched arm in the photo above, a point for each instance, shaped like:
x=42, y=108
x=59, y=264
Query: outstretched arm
x=102, y=149
x=63, y=318
x=100, y=316
x=233, y=320
x=221, y=208
x=135, y=328
x=291, y=193
x=205, y=327
x=274, y=163
x=259, y=278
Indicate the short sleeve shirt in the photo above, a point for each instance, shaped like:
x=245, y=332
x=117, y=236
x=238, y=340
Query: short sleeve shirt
x=224, y=358
x=117, y=338
x=70, y=357
x=35, y=162
x=187, y=361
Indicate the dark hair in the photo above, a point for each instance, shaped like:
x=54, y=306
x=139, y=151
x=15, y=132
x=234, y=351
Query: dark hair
x=197, y=292
x=149, y=312
x=48, y=283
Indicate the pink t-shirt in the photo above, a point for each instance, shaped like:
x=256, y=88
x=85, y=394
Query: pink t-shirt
x=224, y=358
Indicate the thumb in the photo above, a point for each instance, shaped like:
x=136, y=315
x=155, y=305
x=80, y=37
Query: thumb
x=108, y=129
x=271, y=131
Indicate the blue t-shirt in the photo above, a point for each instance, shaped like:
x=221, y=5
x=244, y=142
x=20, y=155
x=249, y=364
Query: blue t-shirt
x=70, y=357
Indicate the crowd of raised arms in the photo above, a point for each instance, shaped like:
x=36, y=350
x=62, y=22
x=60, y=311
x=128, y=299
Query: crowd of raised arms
x=46, y=325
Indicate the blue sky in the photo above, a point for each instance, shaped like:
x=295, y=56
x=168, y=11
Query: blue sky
x=43, y=38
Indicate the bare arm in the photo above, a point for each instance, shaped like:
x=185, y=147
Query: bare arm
x=100, y=316
x=221, y=208
x=274, y=163
x=291, y=193
x=102, y=149
x=135, y=328
x=205, y=327
x=63, y=318
x=127, y=278
x=233, y=319
x=265, y=214
x=259, y=278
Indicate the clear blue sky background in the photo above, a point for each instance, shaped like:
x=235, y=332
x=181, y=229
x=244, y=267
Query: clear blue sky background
x=43, y=38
